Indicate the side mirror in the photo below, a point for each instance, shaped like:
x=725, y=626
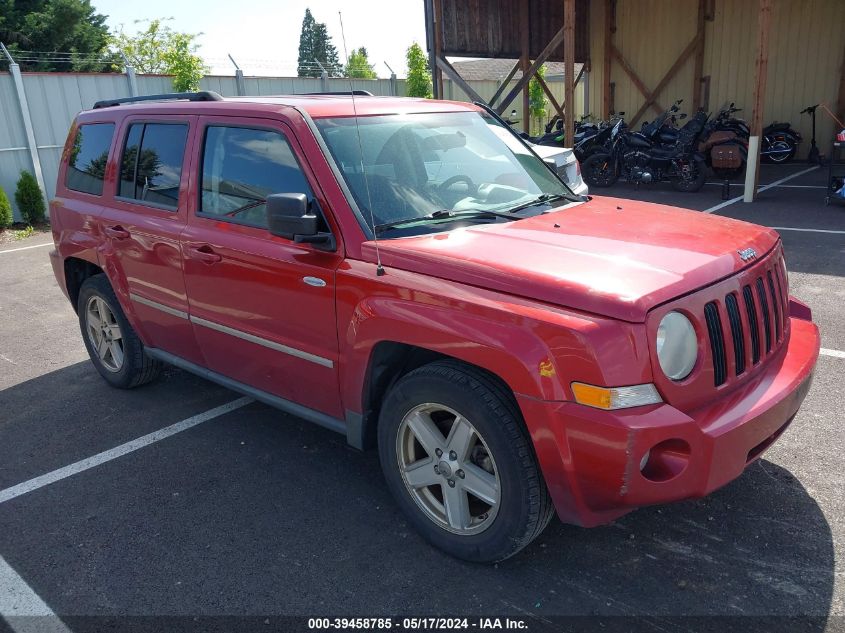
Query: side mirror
x=287, y=216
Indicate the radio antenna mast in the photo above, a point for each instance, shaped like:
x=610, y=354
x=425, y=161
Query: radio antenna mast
x=379, y=267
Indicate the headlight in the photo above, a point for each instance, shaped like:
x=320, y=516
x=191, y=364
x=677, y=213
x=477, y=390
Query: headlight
x=677, y=345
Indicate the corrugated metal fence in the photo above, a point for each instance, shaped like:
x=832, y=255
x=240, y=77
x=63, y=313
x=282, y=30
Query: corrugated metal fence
x=55, y=98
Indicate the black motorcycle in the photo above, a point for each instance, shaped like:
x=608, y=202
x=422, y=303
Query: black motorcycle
x=640, y=157
x=779, y=142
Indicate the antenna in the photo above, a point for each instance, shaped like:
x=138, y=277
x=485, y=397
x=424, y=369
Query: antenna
x=379, y=267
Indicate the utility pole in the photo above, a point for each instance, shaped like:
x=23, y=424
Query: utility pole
x=240, y=85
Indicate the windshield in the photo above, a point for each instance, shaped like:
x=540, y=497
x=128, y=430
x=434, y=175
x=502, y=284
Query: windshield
x=419, y=165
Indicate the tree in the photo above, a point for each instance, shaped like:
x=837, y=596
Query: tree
x=5, y=210
x=30, y=199
x=537, y=101
x=358, y=66
x=57, y=35
x=315, y=45
x=162, y=51
x=418, y=83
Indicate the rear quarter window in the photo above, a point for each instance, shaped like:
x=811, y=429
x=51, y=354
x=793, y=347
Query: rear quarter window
x=86, y=166
x=151, y=163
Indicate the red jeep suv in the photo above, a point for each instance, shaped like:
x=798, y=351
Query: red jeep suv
x=411, y=274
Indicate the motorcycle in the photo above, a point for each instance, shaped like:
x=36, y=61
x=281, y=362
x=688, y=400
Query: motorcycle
x=724, y=150
x=779, y=141
x=640, y=158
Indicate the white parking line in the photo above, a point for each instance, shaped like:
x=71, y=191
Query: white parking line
x=832, y=352
x=21, y=607
x=727, y=203
x=119, y=451
x=25, y=248
x=792, y=228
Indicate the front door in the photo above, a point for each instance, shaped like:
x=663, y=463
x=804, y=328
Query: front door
x=262, y=307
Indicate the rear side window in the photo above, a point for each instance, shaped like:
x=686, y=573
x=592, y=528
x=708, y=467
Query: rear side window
x=241, y=167
x=86, y=166
x=151, y=164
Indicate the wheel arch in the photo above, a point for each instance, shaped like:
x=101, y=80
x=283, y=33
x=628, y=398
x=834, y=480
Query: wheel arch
x=77, y=270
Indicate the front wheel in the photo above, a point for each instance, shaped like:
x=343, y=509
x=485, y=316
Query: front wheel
x=599, y=170
x=457, y=458
x=691, y=176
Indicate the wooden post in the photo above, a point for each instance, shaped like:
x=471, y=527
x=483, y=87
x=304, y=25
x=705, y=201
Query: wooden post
x=438, y=49
x=608, y=42
x=840, y=107
x=524, y=61
x=699, y=57
x=569, y=69
x=761, y=64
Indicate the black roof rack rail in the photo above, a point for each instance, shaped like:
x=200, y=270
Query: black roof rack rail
x=357, y=93
x=203, y=95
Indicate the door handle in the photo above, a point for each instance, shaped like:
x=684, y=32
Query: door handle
x=116, y=232
x=204, y=253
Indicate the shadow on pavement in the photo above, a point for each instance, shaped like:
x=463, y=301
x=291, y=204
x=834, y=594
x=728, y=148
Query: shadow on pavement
x=260, y=513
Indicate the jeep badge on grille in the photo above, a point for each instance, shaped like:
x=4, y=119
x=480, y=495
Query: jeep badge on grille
x=747, y=253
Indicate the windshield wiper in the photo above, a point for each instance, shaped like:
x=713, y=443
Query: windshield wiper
x=444, y=215
x=543, y=199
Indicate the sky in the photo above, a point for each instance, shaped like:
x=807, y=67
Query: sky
x=263, y=35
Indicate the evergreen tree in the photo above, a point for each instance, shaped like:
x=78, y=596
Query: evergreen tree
x=359, y=66
x=306, y=66
x=315, y=45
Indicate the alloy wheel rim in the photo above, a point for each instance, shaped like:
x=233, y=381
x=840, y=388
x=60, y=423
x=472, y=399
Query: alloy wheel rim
x=448, y=469
x=104, y=334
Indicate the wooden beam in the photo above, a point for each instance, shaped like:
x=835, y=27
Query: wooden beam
x=689, y=50
x=840, y=104
x=637, y=81
x=551, y=96
x=438, y=48
x=761, y=67
x=608, y=44
x=698, y=69
x=569, y=69
x=526, y=77
x=453, y=74
x=524, y=61
x=504, y=85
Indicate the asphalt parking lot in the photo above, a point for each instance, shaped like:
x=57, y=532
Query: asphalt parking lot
x=256, y=513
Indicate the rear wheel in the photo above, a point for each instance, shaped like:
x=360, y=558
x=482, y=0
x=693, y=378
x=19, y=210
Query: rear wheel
x=599, y=170
x=459, y=462
x=112, y=344
x=780, y=152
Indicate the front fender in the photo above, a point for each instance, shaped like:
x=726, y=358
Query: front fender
x=537, y=350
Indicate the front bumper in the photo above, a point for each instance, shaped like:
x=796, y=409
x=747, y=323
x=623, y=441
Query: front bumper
x=591, y=459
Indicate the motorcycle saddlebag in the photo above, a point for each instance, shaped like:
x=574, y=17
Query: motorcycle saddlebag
x=726, y=156
x=721, y=136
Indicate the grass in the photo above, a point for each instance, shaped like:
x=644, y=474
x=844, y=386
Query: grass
x=23, y=233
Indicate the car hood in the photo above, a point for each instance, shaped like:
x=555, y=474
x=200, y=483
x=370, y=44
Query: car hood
x=613, y=257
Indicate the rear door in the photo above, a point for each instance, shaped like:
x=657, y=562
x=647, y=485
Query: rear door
x=142, y=223
x=263, y=307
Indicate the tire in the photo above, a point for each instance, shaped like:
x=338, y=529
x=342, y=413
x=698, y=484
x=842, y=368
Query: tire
x=123, y=363
x=498, y=459
x=788, y=154
x=694, y=181
x=599, y=171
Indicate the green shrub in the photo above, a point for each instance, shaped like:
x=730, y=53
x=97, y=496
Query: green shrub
x=30, y=199
x=5, y=210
